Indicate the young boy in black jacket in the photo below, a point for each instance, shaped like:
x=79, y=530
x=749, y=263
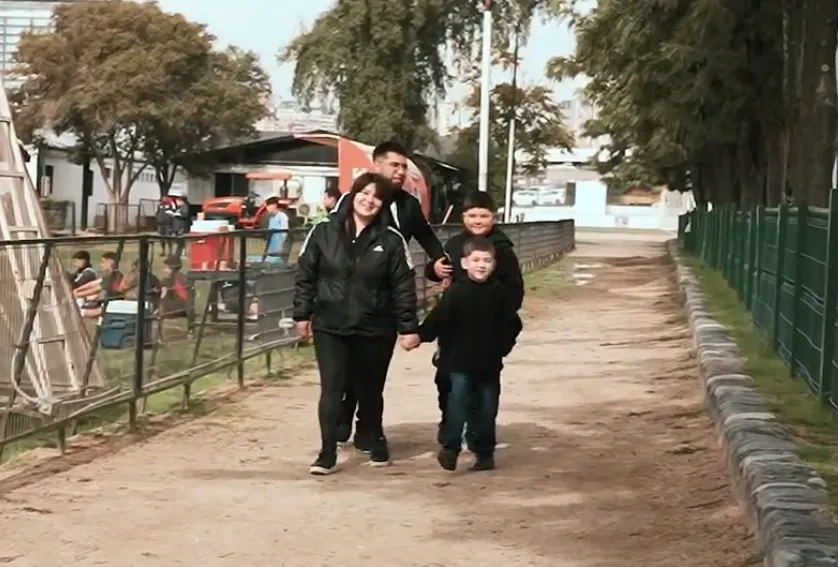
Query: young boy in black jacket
x=479, y=220
x=474, y=318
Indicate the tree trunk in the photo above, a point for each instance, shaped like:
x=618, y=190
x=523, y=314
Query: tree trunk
x=775, y=174
x=818, y=111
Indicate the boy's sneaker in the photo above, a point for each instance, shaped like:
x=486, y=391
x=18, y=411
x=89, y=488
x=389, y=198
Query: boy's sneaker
x=447, y=459
x=344, y=432
x=380, y=453
x=361, y=443
x=325, y=464
x=484, y=463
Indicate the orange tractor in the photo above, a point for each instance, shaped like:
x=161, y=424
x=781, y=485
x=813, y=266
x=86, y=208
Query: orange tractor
x=248, y=212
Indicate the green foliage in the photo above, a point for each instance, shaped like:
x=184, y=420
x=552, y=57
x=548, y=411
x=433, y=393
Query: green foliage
x=539, y=128
x=695, y=89
x=383, y=61
x=127, y=78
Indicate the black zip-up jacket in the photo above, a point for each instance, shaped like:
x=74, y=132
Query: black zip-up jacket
x=361, y=287
x=407, y=217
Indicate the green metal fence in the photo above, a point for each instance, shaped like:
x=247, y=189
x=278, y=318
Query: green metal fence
x=782, y=262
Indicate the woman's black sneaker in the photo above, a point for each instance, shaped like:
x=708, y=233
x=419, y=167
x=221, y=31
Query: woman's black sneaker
x=447, y=459
x=380, y=453
x=344, y=432
x=326, y=463
x=361, y=443
x=484, y=464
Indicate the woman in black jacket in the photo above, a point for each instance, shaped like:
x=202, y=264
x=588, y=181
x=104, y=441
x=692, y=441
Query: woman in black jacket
x=355, y=292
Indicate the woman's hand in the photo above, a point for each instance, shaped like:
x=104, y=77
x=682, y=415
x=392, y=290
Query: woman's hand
x=442, y=268
x=409, y=342
x=304, y=329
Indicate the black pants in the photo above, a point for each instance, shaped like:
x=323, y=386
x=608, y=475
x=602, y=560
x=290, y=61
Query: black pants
x=357, y=363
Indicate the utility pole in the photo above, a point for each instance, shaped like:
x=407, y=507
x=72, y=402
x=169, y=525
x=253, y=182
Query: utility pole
x=510, y=147
x=485, y=98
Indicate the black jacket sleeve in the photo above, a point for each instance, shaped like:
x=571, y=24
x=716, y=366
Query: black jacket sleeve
x=508, y=273
x=438, y=318
x=418, y=228
x=403, y=285
x=308, y=264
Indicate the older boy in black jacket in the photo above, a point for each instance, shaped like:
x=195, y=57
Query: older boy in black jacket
x=479, y=220
x=473, y=318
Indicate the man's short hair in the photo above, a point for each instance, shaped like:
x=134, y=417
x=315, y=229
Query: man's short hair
x=478, y=244
x=390, y=147
x=110, y=256
x=333, y=191
x=478, y=200
x=82, y=255
x=272, y=201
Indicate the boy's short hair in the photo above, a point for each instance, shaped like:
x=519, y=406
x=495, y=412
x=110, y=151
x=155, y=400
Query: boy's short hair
x=272, y=201
x=82, y=255
x=333, y=191
x=478, y=244
x=478, y=200
x=172, y=262
x=110, y=256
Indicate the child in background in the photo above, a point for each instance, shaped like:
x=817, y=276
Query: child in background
x=473, y=315
x=174, y=294
x=479, y=220
x=83, y=273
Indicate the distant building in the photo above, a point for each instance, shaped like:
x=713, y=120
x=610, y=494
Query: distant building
x=17, y=17
x=290, y=116
x=577, y=112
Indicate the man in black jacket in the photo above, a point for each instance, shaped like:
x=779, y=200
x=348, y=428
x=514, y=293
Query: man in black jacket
x=390, y=159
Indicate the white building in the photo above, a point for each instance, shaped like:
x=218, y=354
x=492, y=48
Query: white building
x=57, y=177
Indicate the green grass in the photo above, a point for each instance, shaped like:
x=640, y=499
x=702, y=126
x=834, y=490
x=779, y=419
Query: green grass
x=552, y=281
x=813, y=424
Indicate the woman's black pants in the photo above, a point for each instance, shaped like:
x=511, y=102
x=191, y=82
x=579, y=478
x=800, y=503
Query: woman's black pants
x=357, y=363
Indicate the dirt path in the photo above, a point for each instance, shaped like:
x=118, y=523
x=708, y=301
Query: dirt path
x=606, y=459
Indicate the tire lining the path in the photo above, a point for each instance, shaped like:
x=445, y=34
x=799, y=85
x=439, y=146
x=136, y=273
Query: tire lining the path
x=782, y=496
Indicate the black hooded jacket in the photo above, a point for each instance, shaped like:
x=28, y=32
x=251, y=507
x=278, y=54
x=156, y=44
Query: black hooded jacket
x=364, y=286
x=507, y=269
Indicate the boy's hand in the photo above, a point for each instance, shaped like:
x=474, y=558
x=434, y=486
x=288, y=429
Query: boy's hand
x=442, y=268
x=409, y=342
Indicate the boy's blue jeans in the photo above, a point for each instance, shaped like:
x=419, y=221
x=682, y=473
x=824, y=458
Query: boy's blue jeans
x=473, y=402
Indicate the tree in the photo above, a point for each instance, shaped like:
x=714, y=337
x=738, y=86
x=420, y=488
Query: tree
x=713, y=95
x=540, y=128
x=385, y=60
x=224, y=101
x=125, y=78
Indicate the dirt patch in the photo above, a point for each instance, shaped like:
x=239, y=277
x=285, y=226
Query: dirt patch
x=606, y=459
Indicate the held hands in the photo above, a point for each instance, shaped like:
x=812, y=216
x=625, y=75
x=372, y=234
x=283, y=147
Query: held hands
x=304, y=329
x=442, y=268
x=409, y=342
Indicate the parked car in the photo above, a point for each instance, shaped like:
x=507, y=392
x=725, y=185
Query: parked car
x=550, y=197
x=524, y=197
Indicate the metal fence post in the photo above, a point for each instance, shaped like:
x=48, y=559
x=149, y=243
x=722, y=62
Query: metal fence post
x=242, y=315
x=140, y=337
x=758, y=255
x=782, y=225
x=830, y=300
x=802, y=219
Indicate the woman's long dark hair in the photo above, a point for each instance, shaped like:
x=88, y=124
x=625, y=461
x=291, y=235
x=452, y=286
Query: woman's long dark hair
x=383, y=190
